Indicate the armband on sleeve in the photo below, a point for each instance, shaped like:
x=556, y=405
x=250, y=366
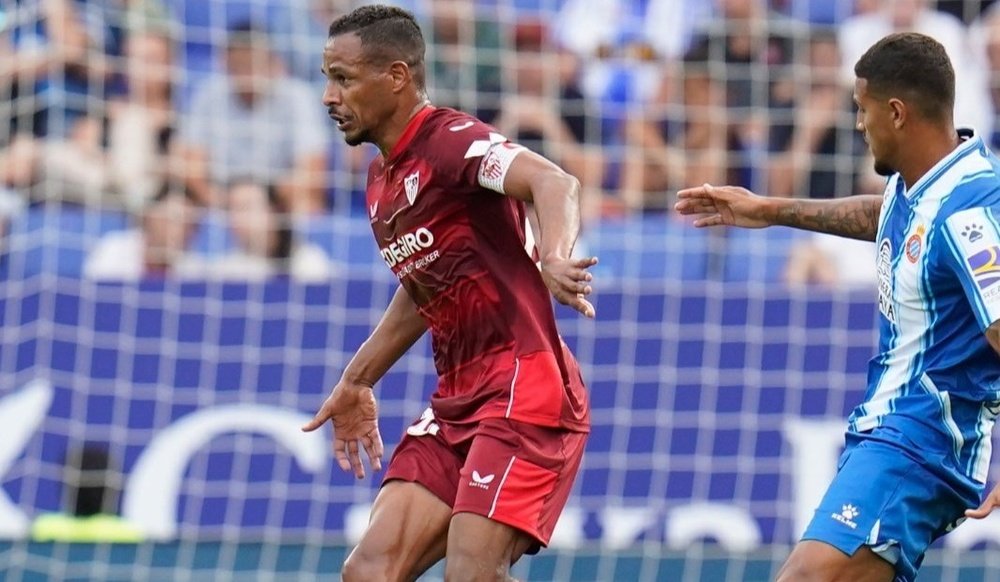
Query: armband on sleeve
x=495, y=164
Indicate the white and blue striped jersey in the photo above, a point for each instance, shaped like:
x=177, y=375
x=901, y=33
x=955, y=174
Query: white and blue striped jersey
x=934, y=387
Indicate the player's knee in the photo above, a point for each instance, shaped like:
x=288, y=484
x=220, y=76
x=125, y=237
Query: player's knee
x=468, y=566
x=360, y=567
x=468, y=569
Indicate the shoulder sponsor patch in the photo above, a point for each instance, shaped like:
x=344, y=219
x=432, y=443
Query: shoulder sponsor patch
x=985, y=266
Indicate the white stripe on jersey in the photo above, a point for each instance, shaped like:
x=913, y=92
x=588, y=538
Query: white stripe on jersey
x=912, y=318
x=957, y=440
x=981, y=457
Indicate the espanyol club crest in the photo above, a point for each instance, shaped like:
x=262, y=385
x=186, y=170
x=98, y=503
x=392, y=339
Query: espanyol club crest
x=412, y=184
x=914, y=244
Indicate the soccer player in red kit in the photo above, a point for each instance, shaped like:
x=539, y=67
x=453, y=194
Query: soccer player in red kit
x=484, y=473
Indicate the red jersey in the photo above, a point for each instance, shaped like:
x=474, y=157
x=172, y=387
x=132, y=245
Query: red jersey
x=458, y=249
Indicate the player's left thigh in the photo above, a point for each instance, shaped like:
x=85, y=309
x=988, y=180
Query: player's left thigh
x=406, y=535
x=886, y=502
x=815, y=561
x=480, y=549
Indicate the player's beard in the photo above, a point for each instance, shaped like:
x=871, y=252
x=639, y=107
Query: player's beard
x=357, y=138
x=883, y=168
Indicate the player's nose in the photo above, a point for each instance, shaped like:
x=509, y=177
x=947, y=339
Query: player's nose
x=331, y=95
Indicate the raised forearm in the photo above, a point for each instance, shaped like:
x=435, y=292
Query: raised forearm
x=400, y=327
x=556, y=197
x=853, y=217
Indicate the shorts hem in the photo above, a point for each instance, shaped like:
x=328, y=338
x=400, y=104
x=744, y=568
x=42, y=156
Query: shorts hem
x=846, y=546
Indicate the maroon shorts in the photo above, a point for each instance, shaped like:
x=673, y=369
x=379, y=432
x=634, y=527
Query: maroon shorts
x=515, y=473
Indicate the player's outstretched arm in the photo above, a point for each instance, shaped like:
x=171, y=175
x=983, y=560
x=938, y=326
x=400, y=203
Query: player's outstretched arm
x=852, y=217
x=351, y=405
x=556, y=196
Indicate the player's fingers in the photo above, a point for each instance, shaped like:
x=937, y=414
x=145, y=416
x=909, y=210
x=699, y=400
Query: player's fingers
x=583, y=306
x=321, y=417
x=575, y=288
x=695, y=206
x=372, y=450
x=340, y=453
x=579, y=275
x=711, y=220
x=695, y=192
x=379, y=447
x=354, y=456
x=585, y=263
x=984, y=509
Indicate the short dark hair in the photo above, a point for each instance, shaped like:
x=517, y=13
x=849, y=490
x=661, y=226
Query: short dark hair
x=914, y=66
x=387, y=34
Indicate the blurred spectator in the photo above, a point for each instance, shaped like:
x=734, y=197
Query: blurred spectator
x=756, y=52
x=266, y=242
x=91, y=490
x=832, y=261
x=464, y=53
x=621, y=41
x=965, y=10
x=818, y=154
x=972, y=102
x=158, y=246
x=11, y=205
x=299, y=26
x=51, y=66
x=544, y=109
x=986, y=39
x=256, y=121
x=818, y=12
x=142, y=124
x=684, y=138
x=137, y=130
x=65, y=169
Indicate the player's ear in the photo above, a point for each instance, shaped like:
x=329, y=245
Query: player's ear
x=401, y=75
x=898, y=110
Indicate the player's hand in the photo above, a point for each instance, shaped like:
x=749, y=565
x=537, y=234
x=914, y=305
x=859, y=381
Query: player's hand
x=354, y=413
x=723, y=205
x=569, y=282
x=991, y=502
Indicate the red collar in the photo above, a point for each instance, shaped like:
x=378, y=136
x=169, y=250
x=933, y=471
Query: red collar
x=411, y=130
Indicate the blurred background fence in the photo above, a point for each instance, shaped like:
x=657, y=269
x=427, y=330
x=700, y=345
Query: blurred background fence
x=186, y=265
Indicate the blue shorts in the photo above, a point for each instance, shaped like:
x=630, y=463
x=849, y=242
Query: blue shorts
x=883, y=498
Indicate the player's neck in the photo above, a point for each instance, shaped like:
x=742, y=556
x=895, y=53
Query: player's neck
x=939, y=143
x=397, y=124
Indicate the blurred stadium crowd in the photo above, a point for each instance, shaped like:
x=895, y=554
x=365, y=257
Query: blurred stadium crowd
x=188, y=136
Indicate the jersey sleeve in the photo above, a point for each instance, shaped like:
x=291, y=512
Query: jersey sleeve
x=476, y=153
x=973, y=240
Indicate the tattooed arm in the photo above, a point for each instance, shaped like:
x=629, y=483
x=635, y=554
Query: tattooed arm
x=854, y=217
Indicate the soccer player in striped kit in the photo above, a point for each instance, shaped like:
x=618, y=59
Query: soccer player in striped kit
x=918, y=447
